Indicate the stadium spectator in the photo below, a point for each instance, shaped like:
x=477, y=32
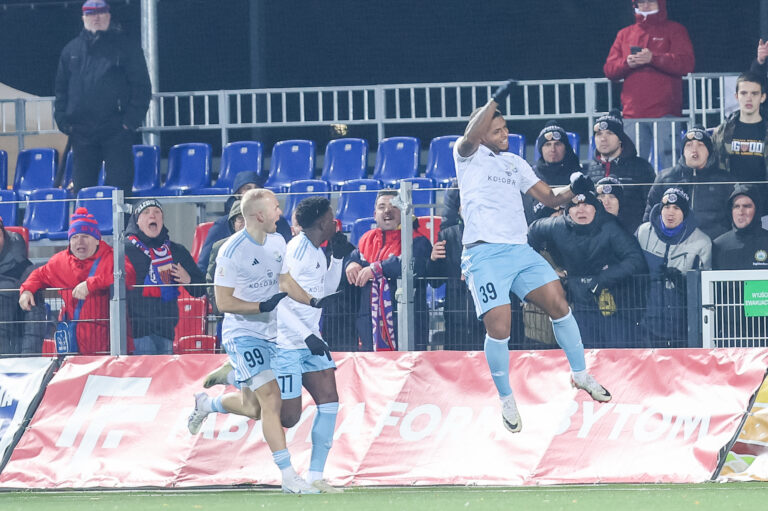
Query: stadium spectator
x=651, y=56
x=463, y=331
x=740, y=141
x=615, y=156
x=161, y=265
x=374, y=268
x=745, y=246
x=699, y=167
x=102, y=95
x=672, y=244
x=610, y=194
x=20, y=331
x=497, y=261
x=556, y=161
x=236, y=223
x=222, y=227
x=599, y=259
x=84, y=272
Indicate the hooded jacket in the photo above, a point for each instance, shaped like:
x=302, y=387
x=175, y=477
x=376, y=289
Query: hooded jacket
x=721, y=141
x=655, y=89
x=708, y=201
x=66, y=271
x=746, y=248
x=102, y=83
x=600, y=255
x=558, y=174
x=631, y=170
x=668, y=259
x=151, y=315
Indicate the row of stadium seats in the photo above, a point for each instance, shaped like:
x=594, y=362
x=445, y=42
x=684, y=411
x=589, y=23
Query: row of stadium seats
x=189, y=165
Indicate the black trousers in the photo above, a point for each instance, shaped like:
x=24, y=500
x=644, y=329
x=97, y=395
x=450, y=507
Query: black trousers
x=114, y=149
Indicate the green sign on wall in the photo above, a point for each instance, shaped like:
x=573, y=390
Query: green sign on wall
x=755, y=298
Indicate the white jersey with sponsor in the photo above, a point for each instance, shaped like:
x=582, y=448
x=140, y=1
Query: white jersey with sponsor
x=307, y=265
x=489, y=188
x=252, y=270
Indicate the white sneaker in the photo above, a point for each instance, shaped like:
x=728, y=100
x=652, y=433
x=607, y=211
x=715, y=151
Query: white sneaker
x=324, y=487
x=218, y=376
x=587, y=383
x=198, y=416
x=293, y=483
x=510, y=415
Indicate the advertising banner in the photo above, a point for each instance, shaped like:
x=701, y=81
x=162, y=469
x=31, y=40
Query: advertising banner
x=21, y=381
x=404, y=419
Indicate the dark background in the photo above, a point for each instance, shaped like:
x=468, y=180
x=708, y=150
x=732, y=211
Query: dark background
x=233, y=44
x=229, y=44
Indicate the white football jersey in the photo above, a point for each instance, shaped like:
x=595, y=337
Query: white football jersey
x=252, y=270
x=489, y=188
x=306, y=264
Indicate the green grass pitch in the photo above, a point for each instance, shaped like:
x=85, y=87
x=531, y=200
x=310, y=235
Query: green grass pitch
x=708, y=496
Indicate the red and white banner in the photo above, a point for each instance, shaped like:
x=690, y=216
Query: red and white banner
x=405, y=418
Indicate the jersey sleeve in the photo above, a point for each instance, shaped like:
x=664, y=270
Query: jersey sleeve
x=226, y=271
x=528, y=177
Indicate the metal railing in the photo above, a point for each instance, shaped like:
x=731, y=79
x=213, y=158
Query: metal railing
x=724, y=321
x=379, y=105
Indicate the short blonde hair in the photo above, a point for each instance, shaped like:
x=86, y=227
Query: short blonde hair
x=252, y=199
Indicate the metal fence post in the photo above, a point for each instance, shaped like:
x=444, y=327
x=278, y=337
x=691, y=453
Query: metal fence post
x=694, y=305
x=224, y=117
x=118, y=334
x=21, y=121
x=405, y=290
x=380, y=113
x=149, y=45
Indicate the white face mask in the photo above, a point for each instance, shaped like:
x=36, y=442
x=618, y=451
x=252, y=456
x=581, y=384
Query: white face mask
x=646, y=13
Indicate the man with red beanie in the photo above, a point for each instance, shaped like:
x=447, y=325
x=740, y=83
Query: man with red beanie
x=73, y=271
x=651, y=57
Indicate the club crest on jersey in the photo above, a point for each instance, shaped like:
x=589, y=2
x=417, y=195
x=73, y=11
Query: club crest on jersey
x=278, y=257
x=270, y=274
x=317, y=265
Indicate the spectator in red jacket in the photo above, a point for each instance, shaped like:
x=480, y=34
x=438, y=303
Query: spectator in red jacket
x=71, y=270
x=651, y=57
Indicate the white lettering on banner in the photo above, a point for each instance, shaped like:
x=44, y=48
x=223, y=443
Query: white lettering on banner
x=234, y=428
x=353, y=424
x=386, y=418
x=646, y=427
x=116, y=412
x=406, y=427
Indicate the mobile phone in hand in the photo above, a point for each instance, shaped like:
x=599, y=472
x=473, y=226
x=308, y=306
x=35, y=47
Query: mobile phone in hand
x=635, y=49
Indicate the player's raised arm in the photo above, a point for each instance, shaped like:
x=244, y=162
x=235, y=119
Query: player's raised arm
x=554, y=197
x=480, y=123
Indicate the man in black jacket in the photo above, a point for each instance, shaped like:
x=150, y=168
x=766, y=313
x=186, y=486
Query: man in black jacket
x=699, y=167
x=160, y=266
x=20, y=331
x=615, y=155
x=102, y=95
x=745, y=246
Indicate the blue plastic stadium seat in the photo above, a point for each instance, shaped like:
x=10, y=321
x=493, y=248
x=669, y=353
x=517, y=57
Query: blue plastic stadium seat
x=517, y=144
x=3, y=169
x=358, y=199
x=8, y=208
x=189, y=169
x=146, y=170
x=397, y=158
x=98, y=201
x=573, y=138
x=292, y=160
x=238, y=157
x=360, y=227
x=35, y=168
x=421, y=196
x=440, y=164
x=300, y=190
x=46, y=214
x=345, y=159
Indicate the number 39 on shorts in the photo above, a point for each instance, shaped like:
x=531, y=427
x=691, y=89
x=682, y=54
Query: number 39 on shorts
x=487, y=292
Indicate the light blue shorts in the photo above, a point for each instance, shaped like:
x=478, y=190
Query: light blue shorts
x=252, y=359
x=492, y=270
x=289, y=365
